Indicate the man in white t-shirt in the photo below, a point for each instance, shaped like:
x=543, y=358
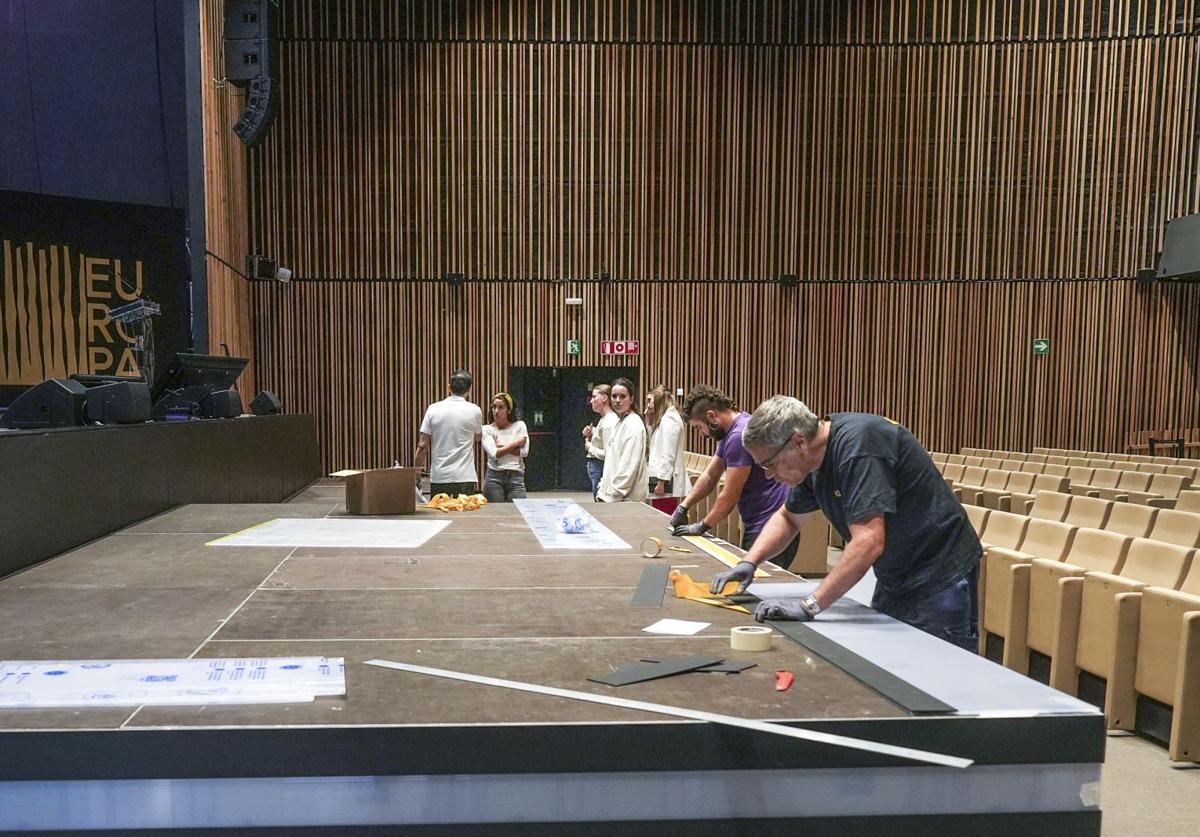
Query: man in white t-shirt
x=451, y=430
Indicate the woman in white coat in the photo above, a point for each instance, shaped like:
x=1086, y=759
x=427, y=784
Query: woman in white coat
x=667, y=470
x=625, y=449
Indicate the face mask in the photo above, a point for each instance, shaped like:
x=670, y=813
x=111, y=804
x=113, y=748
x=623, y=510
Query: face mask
x=716, y=431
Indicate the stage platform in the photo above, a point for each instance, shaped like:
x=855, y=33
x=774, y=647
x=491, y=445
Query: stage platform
x=444, y=757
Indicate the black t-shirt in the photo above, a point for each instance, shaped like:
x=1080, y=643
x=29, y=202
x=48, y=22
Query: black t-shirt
x=874, y=466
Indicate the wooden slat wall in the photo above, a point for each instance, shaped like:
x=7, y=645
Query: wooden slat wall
x=952, y=179
x=225, y=195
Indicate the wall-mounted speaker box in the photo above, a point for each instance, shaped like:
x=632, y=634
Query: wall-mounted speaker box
x=1181, y=250
x=52, y=403
x=121, y=403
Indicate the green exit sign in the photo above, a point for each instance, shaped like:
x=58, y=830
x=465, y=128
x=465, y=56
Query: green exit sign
x=1041, y=345
x=574, y=347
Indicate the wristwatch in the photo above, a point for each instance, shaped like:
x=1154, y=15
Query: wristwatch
x=811, y=605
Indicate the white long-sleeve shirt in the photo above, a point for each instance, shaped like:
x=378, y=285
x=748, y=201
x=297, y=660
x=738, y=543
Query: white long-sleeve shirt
x=495, y=438
x=600, y=434
x=666, y=454
x=625, y=462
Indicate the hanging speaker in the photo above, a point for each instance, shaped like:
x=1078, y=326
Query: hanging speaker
x=252, y=62
x=52, y=403
x=266, y=404
x=262, y=104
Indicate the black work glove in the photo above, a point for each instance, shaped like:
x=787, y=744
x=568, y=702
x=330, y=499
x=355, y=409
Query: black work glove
x=678, y=517
x=697, y=528
x=743, y=573
x=791, y=609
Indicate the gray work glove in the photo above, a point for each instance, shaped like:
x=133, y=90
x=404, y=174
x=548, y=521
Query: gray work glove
x=697, y=528
x=678, y=517
x=743, y=573
x=792, y=609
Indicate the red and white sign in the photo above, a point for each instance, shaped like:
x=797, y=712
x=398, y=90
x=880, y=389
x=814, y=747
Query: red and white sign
x=619, y=347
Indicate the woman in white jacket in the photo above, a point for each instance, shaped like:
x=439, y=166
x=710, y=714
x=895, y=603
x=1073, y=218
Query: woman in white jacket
x=667, y=471
x=625, y=449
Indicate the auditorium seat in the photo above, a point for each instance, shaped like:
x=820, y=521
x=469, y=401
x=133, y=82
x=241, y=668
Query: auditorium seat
x=1130, y=519
x=1185, y=471
x=1022, y=501
x=1031, y=467
x=1056, y=460
x=1129, y=481
x=1177, y=527
x=1152, y=467
x=1011, y=464
x=952, y=473
x=1077, y=462
x=968, y=488
x=1101, y=478
x=1050, y=505
x=1005, y=582
x=1089, y=512
x=993, y=489
x=978, y=517
x=1189, y=501
x=1099, y=622
x=1091, y=550
x=1036, y=457
x=1057, y=470
x=973, y=461
x=1168, y=659
x=955, y=458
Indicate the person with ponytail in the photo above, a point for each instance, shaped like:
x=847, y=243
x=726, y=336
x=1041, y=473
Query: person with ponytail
x=506, y=443
x=667, y=470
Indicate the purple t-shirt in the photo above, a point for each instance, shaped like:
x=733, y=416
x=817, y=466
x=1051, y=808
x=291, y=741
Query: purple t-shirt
x=761, y=496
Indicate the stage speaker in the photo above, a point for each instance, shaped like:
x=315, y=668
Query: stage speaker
x=123, y=403
x=52, y=403
x=266, y=404
x=220, y=403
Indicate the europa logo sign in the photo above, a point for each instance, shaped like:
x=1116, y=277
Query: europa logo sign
x=54, y=304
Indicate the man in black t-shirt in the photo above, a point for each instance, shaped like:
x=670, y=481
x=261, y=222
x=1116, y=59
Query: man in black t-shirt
x=883, y=494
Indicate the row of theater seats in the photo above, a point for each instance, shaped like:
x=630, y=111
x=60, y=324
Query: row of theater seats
x=1060, y=464
x=1107, y=588
x=983, y=485
x=1103, y=455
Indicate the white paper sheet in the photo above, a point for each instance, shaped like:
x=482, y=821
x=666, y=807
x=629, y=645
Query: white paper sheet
x=336, y=532
x=542, y=517
x=676, y=627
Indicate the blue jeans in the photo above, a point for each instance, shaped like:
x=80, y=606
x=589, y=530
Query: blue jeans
x=503, y=486
x=595, y=469
x=951, y=614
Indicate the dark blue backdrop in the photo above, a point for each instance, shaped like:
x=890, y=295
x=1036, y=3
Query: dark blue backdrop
x=92, y=100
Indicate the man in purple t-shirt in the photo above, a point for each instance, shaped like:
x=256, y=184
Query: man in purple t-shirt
x=757, y=497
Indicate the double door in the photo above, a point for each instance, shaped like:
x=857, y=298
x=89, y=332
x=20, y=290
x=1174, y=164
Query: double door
x=553, y=402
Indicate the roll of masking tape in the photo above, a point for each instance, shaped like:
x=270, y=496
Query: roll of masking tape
x=651, y=547
x=750, y=638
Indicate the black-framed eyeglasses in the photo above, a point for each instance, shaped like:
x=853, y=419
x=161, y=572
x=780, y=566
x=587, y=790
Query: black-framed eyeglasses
x=769, y=462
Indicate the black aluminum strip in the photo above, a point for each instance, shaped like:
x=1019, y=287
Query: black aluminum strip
x=899, y=691
x=651, y=587
x=640, y=672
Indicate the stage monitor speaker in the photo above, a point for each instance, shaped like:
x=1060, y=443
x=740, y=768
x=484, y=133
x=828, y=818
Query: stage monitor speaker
x=266, y=404
x=220, y=403
x=52, y=403
x=123, y=403
x=1181, y=250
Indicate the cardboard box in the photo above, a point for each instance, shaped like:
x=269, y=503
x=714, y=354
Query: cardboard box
x=381, y=491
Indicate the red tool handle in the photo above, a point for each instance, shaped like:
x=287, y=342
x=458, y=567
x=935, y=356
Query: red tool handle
x=784, y=680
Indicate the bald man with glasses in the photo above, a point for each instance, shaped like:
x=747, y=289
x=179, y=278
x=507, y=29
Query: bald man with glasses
x=881, y=491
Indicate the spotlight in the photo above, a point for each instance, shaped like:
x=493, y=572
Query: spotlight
x=456, y=280
x=789, y=280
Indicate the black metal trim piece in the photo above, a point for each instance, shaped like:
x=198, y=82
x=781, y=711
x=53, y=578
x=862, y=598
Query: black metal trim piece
x=641, y=672
x=1049, y=824
x=651, y=586
x=899, y=691
x=162, y=753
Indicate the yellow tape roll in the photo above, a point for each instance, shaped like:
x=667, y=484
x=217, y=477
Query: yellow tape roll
x=651, y=547
x=750, y=638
